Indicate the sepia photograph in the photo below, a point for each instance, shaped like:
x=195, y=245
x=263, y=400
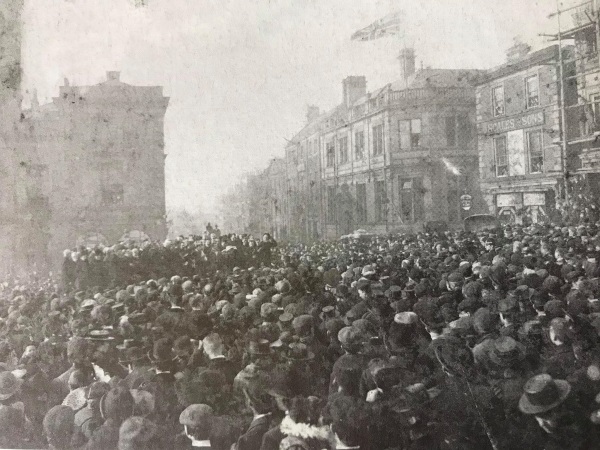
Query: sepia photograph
x=300, y=224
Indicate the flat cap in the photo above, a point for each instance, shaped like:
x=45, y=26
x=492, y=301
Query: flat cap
x=196, y=415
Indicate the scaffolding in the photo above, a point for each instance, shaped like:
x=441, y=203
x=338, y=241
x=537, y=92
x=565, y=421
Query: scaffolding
x=578, y=38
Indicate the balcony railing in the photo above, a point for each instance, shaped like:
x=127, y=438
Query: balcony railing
x=414, y=95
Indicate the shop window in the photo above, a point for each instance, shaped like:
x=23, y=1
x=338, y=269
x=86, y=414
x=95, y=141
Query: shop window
x=498, y=101
x=411, y=200
x=536, y=152
x=501, y=156
x=532, y=91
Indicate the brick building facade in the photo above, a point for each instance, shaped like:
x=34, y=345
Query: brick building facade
x=521, y=159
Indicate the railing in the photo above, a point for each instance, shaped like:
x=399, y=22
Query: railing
x=412, y=95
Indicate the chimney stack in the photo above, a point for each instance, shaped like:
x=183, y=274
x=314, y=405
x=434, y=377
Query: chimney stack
x=312, y=112
x=407, y=64
x=354, y=87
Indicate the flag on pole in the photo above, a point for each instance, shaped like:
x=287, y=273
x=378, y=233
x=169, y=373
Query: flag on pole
x=386, y=26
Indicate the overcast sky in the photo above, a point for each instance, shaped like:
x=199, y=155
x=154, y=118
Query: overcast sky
x=240, y=73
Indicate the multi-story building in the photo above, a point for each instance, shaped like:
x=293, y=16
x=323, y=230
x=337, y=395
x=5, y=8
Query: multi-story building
x=394, y=159
x=401, y=156
x=521, y=158
x=261, y=194
x=91, y=169
x=301, y=201
x=581, y=72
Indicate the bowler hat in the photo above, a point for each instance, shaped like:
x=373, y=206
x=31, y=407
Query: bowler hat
x=259, y=347
x=506, y=351
x=543, y=393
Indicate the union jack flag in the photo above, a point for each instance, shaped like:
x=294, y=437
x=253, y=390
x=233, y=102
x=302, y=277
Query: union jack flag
x=386, y=26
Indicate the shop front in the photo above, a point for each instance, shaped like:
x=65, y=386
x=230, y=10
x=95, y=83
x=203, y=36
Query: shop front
x=524, y=207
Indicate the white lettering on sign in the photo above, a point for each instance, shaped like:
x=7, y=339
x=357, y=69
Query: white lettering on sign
x=501, y=126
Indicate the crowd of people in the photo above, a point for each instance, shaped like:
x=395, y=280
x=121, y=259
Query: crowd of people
x=455, y=340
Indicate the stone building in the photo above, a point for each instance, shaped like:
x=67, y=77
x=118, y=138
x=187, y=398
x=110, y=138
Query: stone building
x=394, y=159
x=521, y=159
x=400, y=157
x=90, y=169
x=301, y=200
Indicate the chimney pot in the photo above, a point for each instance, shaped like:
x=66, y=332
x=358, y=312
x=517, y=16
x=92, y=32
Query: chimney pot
x=407, y=63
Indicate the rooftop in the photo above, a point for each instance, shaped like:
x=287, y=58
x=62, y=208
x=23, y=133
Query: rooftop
x=533, y=59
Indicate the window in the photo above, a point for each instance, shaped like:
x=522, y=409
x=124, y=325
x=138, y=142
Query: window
x=451, y=131
x=532, y=91
x=406, y=200
x=112, y=194
x=501, y=156
x=359, y=145
x=361, y=203
x=343, y=143
x=330, y=153
x=536, y=151
x=410, y=133
x=380, y=201
x=595, y=103
x=331, y=204
x=498, y=101
x=378, y=140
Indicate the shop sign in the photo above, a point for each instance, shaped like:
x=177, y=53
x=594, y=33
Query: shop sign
x=526, y=120
x=503, y=200
x=534, y=199
x=466, y=202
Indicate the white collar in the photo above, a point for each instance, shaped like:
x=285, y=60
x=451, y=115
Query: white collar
x=339, y=445
x=258, y=416
x=196, y=443
x=212, y=358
